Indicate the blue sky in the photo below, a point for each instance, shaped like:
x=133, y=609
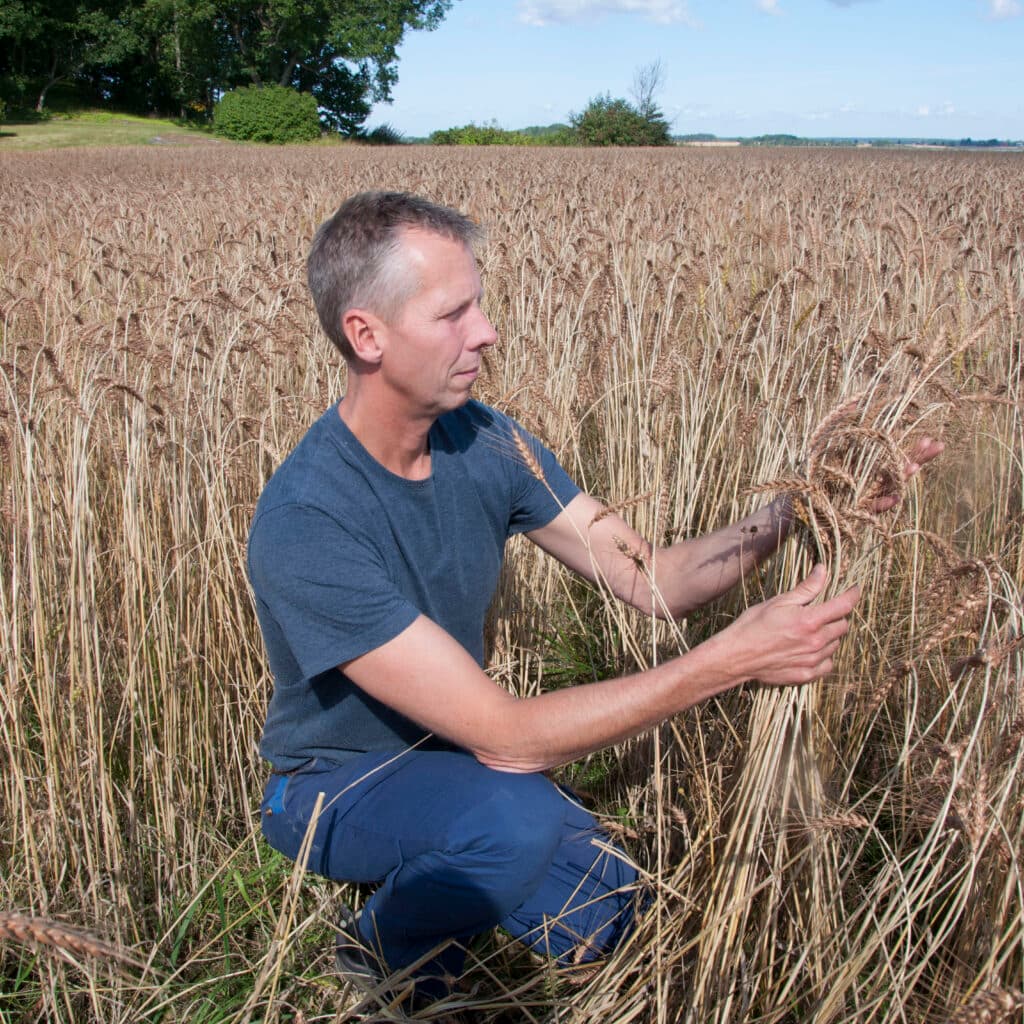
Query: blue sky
x=917, y=68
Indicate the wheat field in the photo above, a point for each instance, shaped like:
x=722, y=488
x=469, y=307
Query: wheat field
x=692, y=332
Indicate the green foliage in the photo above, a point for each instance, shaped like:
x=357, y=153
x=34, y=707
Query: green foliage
x=176, y=56
x=3, y=110
x=344, y=54
x=983, y=143
x=777, y=140
x=382, y=135
x=544, y=129
x=616, y=122
x=491, y=135
x=550, y=134
x=273, y=113
x=46, y=42
x=560, y=135
x=478, y=135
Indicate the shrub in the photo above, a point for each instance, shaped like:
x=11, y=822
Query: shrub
x=478, y=135
x=608, y=122
x=382, y=135
x=550, y=135
x=270, y=113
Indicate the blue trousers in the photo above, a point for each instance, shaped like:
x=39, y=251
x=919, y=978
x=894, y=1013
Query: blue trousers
x=455, y=848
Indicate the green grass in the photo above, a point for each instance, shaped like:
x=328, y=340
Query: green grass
x=97, y=128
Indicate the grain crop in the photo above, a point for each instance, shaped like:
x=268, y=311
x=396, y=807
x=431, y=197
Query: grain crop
x=692, y=332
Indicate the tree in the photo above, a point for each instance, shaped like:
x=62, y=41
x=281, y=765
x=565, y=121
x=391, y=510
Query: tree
x=185, y=63
x=179, y=55
x=344, y=54
x=43, y=42
x=647, y=82
x=615, y=122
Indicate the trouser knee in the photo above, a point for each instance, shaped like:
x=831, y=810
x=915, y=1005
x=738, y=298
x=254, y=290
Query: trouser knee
x=508, y=840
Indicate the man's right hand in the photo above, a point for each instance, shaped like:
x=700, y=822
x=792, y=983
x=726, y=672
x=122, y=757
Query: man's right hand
x=788, y=640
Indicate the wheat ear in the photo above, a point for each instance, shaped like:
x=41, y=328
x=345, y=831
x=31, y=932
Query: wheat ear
x=61, y=938
x=992, y=1007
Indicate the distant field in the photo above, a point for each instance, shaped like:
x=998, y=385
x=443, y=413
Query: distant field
x=97, y=129
x=692, y=331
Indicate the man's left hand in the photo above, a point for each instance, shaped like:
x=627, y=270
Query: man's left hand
x=926, y=449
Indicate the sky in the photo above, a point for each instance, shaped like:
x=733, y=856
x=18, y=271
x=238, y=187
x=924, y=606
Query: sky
x=818, y=68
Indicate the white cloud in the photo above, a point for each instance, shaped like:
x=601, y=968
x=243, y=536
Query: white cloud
x=946, y=109
x=1005, y=8
x=769, y=6
x=848, y=108
x=560, y=12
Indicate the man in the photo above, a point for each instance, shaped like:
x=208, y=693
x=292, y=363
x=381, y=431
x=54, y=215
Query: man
x=374, y=553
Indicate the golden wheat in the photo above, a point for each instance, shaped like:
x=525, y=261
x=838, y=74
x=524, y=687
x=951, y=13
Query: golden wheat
x=689, y=332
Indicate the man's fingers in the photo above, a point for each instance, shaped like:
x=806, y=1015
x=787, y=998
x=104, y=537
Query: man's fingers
x=834, y=631
x=924, y=451
x=823, y=669
x=883, y=505
x=810, y=586
x=837, y=607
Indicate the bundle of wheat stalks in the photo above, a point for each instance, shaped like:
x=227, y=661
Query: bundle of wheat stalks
x=691, y=332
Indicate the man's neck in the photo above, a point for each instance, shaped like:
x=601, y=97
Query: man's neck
x=395, y=439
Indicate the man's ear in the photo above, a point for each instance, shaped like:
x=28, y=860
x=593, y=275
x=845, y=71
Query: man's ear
x=362, y=329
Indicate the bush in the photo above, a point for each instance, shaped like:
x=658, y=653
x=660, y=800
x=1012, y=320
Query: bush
x=608, y=122
x=478, y=135
x=270, y=113
x=550, y=135
x=382, y=135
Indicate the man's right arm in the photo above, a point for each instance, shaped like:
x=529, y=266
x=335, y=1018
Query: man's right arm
x=427, y=676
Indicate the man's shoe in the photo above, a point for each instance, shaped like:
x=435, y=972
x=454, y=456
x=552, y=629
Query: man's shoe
x=352, y=959
x=358, y=964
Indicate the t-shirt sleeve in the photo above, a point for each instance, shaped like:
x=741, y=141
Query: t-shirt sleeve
x=327, y=588
x=541, y=488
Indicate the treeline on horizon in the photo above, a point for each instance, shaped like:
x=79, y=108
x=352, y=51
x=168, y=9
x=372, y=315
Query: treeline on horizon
x=559, y=134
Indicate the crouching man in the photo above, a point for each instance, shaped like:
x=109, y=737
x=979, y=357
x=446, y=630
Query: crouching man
x=374, y=553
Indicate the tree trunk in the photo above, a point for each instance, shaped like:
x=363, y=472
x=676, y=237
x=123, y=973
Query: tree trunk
x=286, y=75
x=177, y=63
x=51, y=81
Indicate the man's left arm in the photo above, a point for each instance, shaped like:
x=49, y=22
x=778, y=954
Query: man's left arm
x=670, y=581
x=667, y=581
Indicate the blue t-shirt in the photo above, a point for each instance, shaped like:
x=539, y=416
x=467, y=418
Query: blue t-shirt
x=344, y=555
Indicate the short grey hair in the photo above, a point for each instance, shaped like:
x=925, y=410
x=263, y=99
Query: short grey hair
x=355, y=259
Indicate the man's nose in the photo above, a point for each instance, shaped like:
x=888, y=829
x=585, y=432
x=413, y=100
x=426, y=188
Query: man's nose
x=484, y=335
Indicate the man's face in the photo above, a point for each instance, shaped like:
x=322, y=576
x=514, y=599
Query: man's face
x=433, y=346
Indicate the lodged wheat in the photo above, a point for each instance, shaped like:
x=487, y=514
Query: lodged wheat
x=61, y=938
